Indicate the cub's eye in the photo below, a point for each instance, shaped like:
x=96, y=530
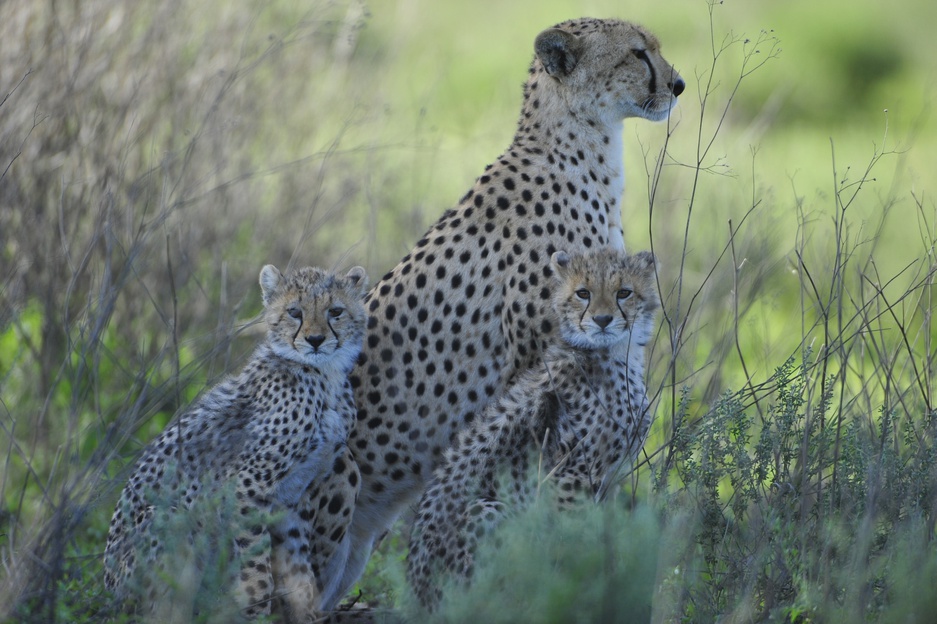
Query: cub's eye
x=295, y=312
x=639, y=53
x=583, y=293
x=336, y=312
x=624, y=293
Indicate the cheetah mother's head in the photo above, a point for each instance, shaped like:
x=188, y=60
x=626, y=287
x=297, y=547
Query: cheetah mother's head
x=605, y=69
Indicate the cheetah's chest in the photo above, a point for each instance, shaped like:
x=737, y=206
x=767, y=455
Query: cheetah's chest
x=316, y=451
x=601, y=412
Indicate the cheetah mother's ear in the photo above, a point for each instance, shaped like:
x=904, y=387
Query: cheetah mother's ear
x=270, y=279
x=558, y=51
x=357, y=278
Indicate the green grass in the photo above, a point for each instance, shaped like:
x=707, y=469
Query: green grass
x=154, y=155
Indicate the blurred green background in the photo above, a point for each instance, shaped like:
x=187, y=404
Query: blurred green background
x=441, y=89
x=451, y=73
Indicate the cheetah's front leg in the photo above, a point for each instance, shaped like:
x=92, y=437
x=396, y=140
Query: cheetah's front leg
x=297, y=591
x=321, y=543
x=252, y=545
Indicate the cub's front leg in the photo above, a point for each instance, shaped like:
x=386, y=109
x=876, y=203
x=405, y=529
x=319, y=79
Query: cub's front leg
x=313, y=546
x=252, y=544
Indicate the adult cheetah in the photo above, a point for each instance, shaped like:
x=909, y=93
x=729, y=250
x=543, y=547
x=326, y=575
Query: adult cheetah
x=466, y=309
x=572, y=421
x=274, y=437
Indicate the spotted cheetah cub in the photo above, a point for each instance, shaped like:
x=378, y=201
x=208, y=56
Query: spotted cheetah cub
x=274, y=437
x=574, y=420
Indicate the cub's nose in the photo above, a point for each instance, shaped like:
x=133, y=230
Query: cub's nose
x=602, y=320
x=677, y=86
x=316, y=341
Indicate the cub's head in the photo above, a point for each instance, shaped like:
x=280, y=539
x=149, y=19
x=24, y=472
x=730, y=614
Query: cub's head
x=313, y=316
x=606, y=69
x=605, y=297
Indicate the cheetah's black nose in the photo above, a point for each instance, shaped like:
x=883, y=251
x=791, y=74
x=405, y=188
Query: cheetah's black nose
x=602, y=320
x=677, y=86
x=315, y=341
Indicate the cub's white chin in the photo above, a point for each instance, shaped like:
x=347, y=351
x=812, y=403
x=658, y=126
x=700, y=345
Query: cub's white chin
x=595, y=340
x=604, y=341
x=343, y=358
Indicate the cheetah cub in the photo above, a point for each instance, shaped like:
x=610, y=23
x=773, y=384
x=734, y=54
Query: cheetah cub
x=274, y=438
x=575, y=420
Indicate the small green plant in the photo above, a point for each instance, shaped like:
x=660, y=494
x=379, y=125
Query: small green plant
x=193, y=575
x=599, y=565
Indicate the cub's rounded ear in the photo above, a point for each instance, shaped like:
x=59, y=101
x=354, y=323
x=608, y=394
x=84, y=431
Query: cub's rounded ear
x=558, y=51
x=647, y=260
x=559, y=262
x=358, y=278
x=270, y=280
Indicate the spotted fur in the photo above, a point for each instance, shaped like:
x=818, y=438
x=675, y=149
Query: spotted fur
x=573, y=421
x=274, y=438
x=469, y=307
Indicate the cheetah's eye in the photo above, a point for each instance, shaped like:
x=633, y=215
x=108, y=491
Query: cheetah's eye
x=583, y=293
x=295, y=312
x=624, y=293
x=641, y=54
x=336, y=312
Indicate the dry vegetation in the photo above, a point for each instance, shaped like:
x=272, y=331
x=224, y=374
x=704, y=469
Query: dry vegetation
x=129, y=197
